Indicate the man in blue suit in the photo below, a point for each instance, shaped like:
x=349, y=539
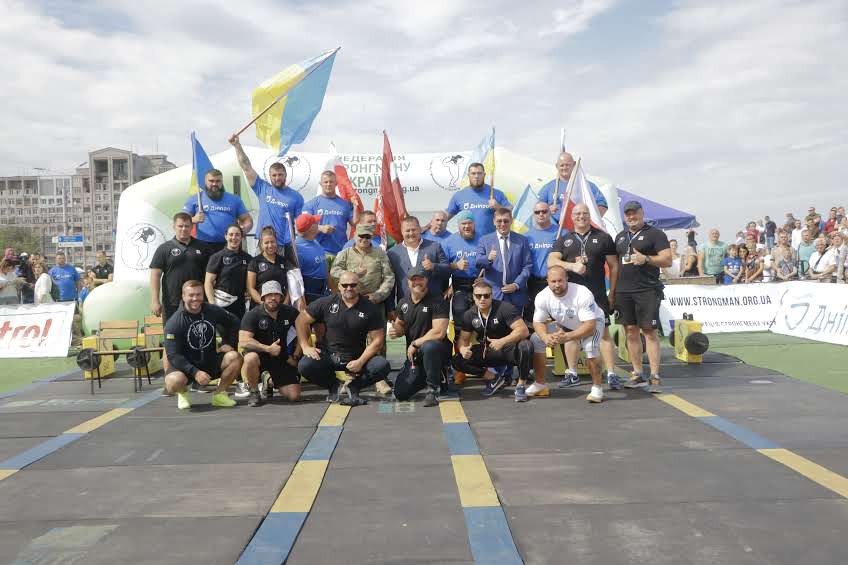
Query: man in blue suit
x=415, y=251
x=506, y=260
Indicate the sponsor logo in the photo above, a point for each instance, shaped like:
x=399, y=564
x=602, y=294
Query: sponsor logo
x=445, y=170
x=473, y=206
x=424, y=309
x=361, y=314
x=138, y=244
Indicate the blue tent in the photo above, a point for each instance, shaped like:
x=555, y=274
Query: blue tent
x=657, y=214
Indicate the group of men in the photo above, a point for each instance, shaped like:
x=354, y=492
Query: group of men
x=511, y=296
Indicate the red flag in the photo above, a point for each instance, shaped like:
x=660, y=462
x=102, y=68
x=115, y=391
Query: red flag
x=346, y=189
x=389, y=206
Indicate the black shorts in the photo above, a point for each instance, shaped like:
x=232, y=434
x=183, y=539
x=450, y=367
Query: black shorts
x=282, y=374
x=535, y=285
x=213, y=368
x=168, y=310
x=639, y=308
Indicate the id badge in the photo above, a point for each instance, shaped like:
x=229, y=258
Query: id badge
x=625, y=259
x=585, y=260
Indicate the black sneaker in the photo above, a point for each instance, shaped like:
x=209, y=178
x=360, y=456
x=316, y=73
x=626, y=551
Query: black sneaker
x=349, y=396
x=430, y=399
x=333, y=392
x=254, y=399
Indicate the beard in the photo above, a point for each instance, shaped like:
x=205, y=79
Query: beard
x=215, y=193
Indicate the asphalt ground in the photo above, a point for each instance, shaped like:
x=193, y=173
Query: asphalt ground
x=733, y=464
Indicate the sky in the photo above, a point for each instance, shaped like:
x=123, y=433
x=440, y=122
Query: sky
x=729, y=110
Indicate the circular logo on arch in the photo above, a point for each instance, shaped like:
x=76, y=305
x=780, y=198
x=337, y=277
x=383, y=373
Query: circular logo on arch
x=447, y=170
x=298, y=170
x=138, y=243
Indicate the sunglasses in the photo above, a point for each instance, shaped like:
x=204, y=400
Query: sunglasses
x=348, y=285
x=541, y=211
x=482, y=296
x=364, y=236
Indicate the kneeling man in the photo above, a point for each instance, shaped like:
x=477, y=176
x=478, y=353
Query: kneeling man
x=191, y=347
x=423, y=319
x=571, y=307
x=264, y=339
x=352, y=321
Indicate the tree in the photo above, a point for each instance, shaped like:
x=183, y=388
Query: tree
x=19, y=239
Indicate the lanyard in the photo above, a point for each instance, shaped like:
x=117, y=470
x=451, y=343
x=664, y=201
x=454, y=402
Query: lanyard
x=583, y=241
x=630, y=238
x=484, y=323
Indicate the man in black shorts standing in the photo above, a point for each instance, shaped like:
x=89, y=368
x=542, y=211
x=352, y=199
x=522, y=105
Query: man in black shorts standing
x=175, y=262
x=423, y=319
x=502, y=341
x=642, y=250
x=264, y=338
x=191, y=347
x=351, y=321
x=583, y=254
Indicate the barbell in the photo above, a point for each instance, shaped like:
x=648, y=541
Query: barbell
x=137, y=357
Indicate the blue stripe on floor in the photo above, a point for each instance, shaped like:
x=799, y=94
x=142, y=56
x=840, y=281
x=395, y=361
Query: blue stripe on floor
x=274, y=539
x=322, y=444
x=40, y=451
x=460, y=439
x=489, y=536
x=740, y=434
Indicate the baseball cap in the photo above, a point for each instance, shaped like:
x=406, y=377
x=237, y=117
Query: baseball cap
x=306, y=221
x=271, y=287
x=632, y=206
x=364, y=229
x=417, y=272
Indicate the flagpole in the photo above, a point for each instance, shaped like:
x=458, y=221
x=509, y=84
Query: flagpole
x=281, y=96
x=568, y=191
x=492, y=178
x=562, y=150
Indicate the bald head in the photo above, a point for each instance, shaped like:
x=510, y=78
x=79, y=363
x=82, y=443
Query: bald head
x=565, y=164
x=581, y=217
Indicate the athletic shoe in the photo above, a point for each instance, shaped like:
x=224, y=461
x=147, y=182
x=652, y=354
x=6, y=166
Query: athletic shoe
x=654, y=386
x=430, y=399
x=636, y=380
x=222, y=400
x=494, y=385
x=349, y=395
x=242, y=390
x=183, y=401
x=333, y=392
x=569, y=379
x=383, y=388
x=254, y=398
x=536, y=390
x=613, y=381
x=197, y=388
x=520, y=394
x=596, y=394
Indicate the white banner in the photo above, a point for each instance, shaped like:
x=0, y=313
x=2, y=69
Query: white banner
x=36, y=331
x=815, y=311
x=730, y=308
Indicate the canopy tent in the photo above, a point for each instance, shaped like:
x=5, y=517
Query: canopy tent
x=656, y=214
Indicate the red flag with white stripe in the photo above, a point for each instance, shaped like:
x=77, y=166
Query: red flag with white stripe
x=581, y=193
x=346, y=188
x=390, y=206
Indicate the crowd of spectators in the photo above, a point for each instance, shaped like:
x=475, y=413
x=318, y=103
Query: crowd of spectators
x=28, y=279
x=812, y=248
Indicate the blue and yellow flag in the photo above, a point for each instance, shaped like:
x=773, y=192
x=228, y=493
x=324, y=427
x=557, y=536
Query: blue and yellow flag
x=522, y=214
x=483, y=153
x=200, y=165
x=299, y=90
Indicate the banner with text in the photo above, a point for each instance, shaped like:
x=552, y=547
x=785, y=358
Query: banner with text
x=813, y=311
x=36, y=331
x=731, y=308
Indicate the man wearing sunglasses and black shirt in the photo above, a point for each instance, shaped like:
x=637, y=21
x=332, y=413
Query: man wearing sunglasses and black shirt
x=501, y=342
x=351, y=320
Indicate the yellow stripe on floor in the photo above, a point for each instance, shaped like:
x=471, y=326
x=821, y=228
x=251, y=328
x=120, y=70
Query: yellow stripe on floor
x=452, y=413
x=335, y=415
x=94, y=423
x=302, y=487
x=6, y=473
x=473, y=481
x=813, y=471
x=684, y=406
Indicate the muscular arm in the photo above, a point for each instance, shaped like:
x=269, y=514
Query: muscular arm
x=519, y=332
x=437, y=332
x=701, y=263
x=248, y=343
x=585, y=329
x=612, y=265
x=377, y=341
x=155, y=289
x=209, y=287
x=243, y=161
x=662, y=259
x=303, y=325
x=555, y=260
x=251, y=287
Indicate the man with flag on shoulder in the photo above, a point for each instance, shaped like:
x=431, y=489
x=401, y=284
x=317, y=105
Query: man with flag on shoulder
x=564, y=165
x=217, y=210
x=275, y=198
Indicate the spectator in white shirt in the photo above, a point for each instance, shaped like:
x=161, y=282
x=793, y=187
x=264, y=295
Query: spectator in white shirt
x=822, y=262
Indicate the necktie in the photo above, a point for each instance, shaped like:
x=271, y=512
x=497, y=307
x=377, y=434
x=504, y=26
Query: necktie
x=503, y=254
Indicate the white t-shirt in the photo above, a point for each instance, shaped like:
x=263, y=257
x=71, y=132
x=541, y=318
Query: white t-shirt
x=8, y=289
x=570, y=310
x=828, y=258
x=796, y=238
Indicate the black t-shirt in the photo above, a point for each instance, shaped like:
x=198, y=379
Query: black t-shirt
x=347, y=328
x=595, y=245
x=269, y=270
x=501, y=316
x=771, y=227
x=230, y=267
x=179, y=263
x=102, y=271
x=419, y=317
x=190, y=338
x=638, y=278
x=266, y=330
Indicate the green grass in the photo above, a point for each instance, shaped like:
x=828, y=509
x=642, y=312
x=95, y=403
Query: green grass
x=15, y=373
x=822, y=364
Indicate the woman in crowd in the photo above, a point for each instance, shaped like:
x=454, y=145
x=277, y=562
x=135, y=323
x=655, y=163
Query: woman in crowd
x=9, y=282
x=752, y=269
x=674, y=271
x=43, y=284
x=269, y=265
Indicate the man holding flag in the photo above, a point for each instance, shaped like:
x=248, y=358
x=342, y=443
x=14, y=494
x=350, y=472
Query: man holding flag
x=478, y=198
x=554, y=192
x=213, y=210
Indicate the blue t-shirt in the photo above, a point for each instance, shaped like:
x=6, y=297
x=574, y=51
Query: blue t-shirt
x=336, y=212
x=273, y=205
x=83, y=294
x=219, y=214
x=546, y=194
x=456, y=247
x=375, y=242
x=312, y=258
x=477, y=202
x=541, y=242
x=733, y=265
x=442, y=236
x=65, y=278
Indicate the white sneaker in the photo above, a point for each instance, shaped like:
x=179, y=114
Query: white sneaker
x=242, y=390
x=538, y=390
x=596, y=394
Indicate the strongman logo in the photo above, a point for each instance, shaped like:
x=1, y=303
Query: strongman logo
x=404, y=308
x=228, y=260
x=263, y=324
x=138, y=244
x=334, y=308
x=475, y=323
x=176, y=252
x=201, y=334
x=446, y=170
x=568, y=243
x=298, y=170
x=263, y=267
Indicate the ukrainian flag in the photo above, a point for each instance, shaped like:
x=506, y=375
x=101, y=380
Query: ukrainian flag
x=522, y=214
x=299, y=91
x=483, y=153
x=200, y=165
